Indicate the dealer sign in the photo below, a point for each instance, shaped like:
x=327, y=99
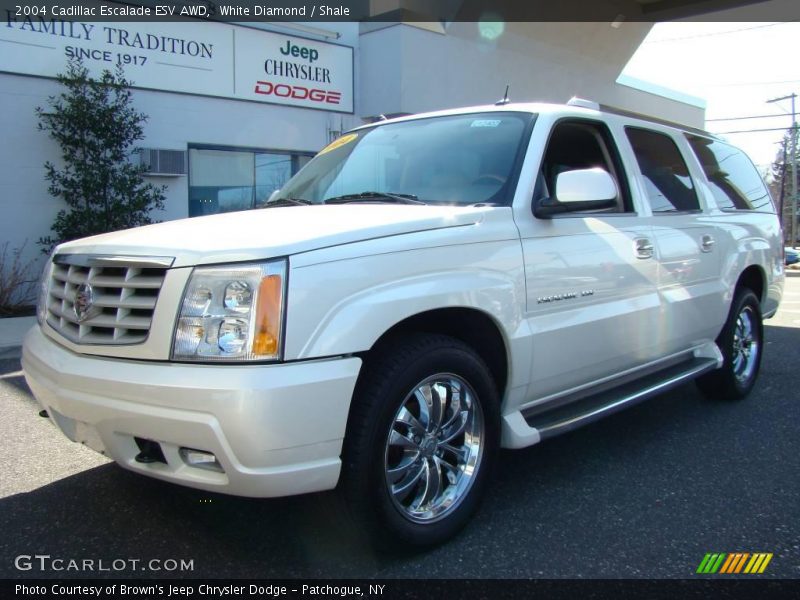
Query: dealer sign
x=287, y=70
x=190, y=57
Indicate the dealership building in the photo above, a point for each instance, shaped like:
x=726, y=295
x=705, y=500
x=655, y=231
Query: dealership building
x=235, y=109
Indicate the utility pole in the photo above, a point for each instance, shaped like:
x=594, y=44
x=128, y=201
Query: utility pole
x=793, y=228
x=781, y=203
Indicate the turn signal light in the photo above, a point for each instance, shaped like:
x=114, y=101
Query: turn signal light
x=268, y=316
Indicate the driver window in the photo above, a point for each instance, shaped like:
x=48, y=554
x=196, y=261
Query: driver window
x=577, y=145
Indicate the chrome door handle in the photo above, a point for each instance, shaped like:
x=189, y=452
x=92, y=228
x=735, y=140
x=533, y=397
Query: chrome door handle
x=707, y=243
x=644, y=248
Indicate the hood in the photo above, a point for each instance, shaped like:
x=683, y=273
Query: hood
x=266, y=233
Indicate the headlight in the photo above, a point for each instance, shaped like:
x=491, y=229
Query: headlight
x=232, y=313
x=44, y=287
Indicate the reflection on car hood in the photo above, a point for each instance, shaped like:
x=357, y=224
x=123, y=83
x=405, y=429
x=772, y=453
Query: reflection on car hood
x=257, y=234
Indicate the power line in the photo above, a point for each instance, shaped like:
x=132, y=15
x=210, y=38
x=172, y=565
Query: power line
x=752, y=130
x=747, y=117
x=704, y=84
x=748, y=83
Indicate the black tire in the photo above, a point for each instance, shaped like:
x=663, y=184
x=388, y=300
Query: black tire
x=741, y=350
x=371, y=454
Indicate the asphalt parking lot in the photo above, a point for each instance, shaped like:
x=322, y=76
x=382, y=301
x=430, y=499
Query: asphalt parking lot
x=643, y=494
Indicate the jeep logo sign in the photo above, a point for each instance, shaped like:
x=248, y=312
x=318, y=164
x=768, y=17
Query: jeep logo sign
x=282, y=69
x=306, y=53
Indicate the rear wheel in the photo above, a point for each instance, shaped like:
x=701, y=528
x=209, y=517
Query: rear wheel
x=741, y=343
x=422, y=435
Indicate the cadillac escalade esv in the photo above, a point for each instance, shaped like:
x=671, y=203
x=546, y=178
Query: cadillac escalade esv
x=425, y=291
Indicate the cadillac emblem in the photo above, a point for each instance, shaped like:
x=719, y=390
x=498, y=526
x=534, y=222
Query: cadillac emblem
x=84, y=297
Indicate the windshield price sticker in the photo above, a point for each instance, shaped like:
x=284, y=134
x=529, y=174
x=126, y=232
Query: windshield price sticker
x=342, y=141
x=486, y=123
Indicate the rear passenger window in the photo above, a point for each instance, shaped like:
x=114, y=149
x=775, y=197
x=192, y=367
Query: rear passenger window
x=734, y=180
x=666, y=177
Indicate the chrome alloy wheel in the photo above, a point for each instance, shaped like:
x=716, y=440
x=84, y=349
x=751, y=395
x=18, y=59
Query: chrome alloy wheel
x=434, y=448
x=745, y=345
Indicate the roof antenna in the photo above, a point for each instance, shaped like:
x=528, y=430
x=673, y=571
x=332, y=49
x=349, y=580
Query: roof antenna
x=504, y=100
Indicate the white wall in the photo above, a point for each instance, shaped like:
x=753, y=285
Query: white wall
x=422, y=70
x=26, y=207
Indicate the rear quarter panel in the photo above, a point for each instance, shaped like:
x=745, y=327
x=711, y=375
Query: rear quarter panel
x=752, y=238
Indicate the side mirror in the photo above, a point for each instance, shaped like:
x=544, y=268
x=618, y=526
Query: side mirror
x=582, y=189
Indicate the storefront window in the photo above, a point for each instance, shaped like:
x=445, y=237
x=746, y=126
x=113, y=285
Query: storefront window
x=222, y=180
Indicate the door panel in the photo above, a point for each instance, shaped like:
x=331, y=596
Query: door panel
x=592, y=294
x=688, y=251
x=592, y=305
x=689, y=280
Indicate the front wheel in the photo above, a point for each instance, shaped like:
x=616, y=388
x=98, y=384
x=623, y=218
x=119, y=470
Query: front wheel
x=741, y=343
x=422, y=435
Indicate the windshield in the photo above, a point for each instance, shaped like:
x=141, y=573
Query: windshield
x=461, y=159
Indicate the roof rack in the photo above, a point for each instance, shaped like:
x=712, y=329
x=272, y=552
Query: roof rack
x=634, y=115
x=614, y=110
x=583, y=103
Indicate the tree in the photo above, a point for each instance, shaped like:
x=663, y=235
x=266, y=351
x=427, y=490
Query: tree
x=96, y=126
x=17, y=281
x=781, y=184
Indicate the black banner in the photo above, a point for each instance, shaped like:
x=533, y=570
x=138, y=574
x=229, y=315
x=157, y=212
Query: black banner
x=430, y=589
x=441, y=11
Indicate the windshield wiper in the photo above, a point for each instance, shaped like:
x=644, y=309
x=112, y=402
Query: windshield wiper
x=389, y=197
x=286, y=202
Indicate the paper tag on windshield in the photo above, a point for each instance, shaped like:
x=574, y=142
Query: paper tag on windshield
x=486, y=123
x=339, y=143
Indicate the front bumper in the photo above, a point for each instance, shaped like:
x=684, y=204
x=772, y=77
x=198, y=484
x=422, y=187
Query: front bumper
x=276, y=430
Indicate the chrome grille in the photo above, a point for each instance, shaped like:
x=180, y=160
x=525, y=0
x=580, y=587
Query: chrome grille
x=104, y=299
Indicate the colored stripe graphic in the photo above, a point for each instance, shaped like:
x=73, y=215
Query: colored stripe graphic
x=754, y=564
x=765, y=563
x=716, y=564
x=711, y=562
x=703, y=563
x=741, y=562
x=734, y=562
x=728, y=563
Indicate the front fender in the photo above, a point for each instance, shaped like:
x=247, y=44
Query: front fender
x=344, y=307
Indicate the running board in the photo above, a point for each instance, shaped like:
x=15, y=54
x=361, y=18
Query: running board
x=592, y=408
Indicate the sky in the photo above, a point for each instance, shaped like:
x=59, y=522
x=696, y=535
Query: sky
x=735, y=68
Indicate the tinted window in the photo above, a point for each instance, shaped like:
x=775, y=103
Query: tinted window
x=734, y=180
x=666, y=177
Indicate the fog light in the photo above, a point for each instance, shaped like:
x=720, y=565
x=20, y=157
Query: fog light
x=201, y=459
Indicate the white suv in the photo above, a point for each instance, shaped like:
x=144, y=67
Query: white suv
x=426, y=290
